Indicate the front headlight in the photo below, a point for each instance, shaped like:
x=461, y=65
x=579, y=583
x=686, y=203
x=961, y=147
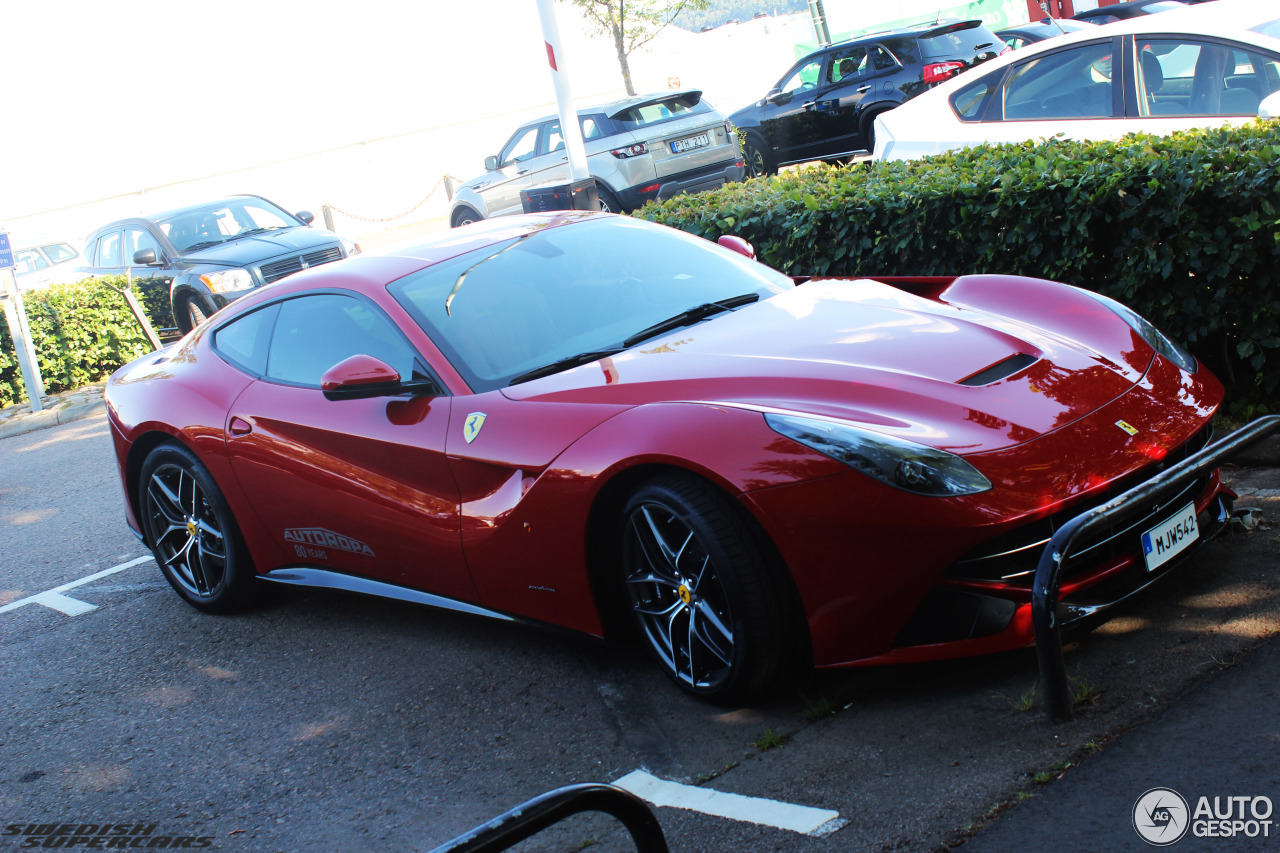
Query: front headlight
x=893, y=461
x=225, y=281
x=350, y=247
x=1159, y=342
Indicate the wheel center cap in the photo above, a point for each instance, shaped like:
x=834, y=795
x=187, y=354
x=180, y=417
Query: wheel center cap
x=685, y=594
x=191, y=527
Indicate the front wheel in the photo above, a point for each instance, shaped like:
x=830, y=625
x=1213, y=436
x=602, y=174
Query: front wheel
x=192, y=533
x=465, y=216
x=700, y=590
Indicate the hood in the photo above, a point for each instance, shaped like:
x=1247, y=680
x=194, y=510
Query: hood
x=259, y=248
x=949, y=377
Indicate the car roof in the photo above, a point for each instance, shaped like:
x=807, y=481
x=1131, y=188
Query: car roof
x=1230, y=19
x=612, y=108
x=909, y=30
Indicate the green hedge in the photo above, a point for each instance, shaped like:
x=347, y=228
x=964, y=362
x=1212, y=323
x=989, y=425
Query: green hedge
x=1184, y=228
x=81, y=332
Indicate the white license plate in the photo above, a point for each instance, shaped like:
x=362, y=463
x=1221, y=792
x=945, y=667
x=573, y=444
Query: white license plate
x=680, y=146
x=1170, y=537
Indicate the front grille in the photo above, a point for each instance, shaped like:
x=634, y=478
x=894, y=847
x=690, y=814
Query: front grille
x=1012, y=556
x=277, y=270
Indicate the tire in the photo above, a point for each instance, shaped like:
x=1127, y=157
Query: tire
x=755, y=155
x=700, y=590
x=190, y=314
x=465, y=216
x=189, y=527
x=608, y=201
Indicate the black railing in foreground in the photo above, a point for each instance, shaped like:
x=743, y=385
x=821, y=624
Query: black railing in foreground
x=1044, y=593
x=527, y=819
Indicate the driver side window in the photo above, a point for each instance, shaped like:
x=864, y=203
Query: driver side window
x=805, y=77
x=313, y=333
x=521, y=147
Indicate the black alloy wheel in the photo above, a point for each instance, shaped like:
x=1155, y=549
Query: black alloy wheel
x=701, y=593
x=191, y=531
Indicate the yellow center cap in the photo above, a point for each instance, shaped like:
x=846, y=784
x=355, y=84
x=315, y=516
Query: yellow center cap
x=191, y=528
x=684, y=594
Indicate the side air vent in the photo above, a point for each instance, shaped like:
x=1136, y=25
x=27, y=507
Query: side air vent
x=999, y=370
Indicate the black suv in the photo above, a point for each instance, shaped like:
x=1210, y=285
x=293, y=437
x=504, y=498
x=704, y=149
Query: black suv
x=206, y=255
x=824, y=106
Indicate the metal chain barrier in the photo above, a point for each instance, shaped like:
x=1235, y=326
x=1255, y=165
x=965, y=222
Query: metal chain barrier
x=439, y=183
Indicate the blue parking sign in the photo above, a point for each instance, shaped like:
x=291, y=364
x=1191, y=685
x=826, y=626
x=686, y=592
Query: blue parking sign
x=6, y=253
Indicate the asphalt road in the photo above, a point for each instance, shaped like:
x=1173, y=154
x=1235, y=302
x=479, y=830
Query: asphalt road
x=333, y=722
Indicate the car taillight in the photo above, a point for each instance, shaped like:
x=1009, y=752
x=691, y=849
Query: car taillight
x=630, y=151
x=936, y=72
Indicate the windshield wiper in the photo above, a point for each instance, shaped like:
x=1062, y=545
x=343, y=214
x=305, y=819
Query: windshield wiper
x=566, y=363
x=691, y=316
x=206, y=244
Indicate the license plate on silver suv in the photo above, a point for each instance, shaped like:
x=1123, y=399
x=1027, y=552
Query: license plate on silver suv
x=1170, y=537
x=689, y=143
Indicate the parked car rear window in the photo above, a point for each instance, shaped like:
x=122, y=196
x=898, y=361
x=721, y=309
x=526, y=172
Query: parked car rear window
x=1270, y=28
x=959, y=43
x=644, y=115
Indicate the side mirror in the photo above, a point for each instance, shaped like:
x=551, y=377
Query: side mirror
x=145, y=258
x=360, y=377
x=1270, y=106
x=737, y=244
x=306, y=216
x=776, y=96
x=491, y=163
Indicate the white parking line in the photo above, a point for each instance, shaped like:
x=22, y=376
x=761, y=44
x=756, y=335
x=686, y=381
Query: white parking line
x=802, y=819
x=55, y=600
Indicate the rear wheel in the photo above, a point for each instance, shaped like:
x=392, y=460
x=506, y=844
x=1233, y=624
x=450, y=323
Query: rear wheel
x=755, y=155
x=700, y=590
x=191, y=531
x=608, y=201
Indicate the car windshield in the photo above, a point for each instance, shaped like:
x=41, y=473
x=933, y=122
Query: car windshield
x=559, y=293
x=199, y=227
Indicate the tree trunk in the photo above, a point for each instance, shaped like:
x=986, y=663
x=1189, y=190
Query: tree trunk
x=617, y=23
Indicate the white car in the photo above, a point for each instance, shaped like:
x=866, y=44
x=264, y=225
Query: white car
x=38, y=265
x=641, y=148
x=1201, y=66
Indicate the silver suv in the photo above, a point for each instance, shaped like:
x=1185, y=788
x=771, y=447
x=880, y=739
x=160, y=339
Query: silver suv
x=638, y=149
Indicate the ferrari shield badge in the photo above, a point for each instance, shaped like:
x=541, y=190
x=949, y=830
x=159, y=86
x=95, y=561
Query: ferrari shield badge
x=1127, y=427
x=471, y=428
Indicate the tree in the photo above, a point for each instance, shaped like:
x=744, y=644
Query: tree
x=632, y=23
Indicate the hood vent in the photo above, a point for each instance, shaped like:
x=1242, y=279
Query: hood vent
x=999, y=370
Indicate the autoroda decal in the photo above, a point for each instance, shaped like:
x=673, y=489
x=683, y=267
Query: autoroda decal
x=318, y=537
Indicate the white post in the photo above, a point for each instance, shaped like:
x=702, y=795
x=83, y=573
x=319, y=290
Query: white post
x=16, y=315
x=569, y=126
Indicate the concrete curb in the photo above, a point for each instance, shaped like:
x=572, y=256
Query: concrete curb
x=58, y=412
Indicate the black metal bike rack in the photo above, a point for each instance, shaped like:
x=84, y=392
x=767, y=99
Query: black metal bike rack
x=1044, y=594
x=530, y=818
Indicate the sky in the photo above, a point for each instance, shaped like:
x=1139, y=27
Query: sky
x=107, y=97
x=125, y=102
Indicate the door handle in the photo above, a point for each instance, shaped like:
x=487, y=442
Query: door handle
x=809, y=105
x=239, y=426
x=862, y=90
